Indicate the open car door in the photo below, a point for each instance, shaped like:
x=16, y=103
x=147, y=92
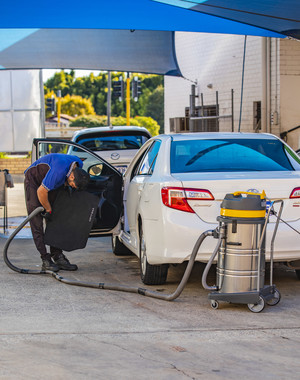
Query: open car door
x=106, y=181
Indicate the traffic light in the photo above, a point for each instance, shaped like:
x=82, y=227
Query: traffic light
x=136, y=88
x=118, y=89
x=50, y=105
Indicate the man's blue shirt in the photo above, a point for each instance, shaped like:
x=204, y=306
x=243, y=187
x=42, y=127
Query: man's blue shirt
x=59, y=169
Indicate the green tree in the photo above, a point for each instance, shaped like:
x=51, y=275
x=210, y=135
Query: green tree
x=149, y=124
x=95, y=89
x=91, y=121
x=75, y=105
x=60, y=81
x=155, y=106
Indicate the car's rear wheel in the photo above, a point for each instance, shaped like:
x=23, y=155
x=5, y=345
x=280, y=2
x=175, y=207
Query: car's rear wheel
x=150, y=274
x=118, y=248
x=298, y=273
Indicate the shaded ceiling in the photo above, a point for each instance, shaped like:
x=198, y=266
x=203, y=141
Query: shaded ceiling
x=136, y=35
x=102, y=49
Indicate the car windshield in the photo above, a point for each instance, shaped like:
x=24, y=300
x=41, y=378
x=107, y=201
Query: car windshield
x=114, y=140
x=228, y=155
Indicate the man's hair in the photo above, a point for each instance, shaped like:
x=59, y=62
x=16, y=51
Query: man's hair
x=81, y=178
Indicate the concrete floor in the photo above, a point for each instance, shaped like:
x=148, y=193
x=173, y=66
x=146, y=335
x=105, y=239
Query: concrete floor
x=51, y=330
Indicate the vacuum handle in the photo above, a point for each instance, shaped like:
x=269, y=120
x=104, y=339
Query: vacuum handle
x=262, y=195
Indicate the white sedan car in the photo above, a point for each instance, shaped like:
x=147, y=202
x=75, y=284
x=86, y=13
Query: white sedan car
x=176, y=183
x=173, y=188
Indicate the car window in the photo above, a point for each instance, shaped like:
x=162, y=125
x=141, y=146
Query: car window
x=148, y=162
x=93, y=165
x=229, y=155
x=114, y=140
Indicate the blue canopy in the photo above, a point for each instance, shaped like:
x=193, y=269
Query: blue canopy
x=94, y=49
x=118, y=35
x=281, y=16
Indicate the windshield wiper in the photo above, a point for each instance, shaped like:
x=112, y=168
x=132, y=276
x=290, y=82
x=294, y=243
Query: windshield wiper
x=204, y=151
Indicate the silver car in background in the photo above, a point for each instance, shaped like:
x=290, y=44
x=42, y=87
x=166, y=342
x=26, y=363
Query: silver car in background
x=116, y=145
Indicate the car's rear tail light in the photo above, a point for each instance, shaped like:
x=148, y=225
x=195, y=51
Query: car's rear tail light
x=295, y=193
x=177, y=197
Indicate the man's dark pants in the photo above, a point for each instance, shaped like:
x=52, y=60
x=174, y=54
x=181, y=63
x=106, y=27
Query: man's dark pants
x=36, y=223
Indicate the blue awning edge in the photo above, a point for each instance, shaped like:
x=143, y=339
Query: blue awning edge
x=143, y=51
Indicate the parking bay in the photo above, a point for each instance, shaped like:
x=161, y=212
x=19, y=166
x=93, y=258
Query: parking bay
x=91, y=330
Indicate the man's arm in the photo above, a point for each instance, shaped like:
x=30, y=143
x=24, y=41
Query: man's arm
x=42, y=194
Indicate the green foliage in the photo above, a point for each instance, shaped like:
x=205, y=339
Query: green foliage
x=95, y=89
x=75, y=105
x=155, y=106
x=149, y=124
x=3, y=155
x=60, y=81
x=120, y=120
x=89, y=121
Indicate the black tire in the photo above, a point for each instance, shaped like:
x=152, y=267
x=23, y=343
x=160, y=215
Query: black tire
x=297, y=273
x=150, y=274
x=118, y=248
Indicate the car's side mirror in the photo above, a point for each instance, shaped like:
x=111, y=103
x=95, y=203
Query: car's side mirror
x=95, y=170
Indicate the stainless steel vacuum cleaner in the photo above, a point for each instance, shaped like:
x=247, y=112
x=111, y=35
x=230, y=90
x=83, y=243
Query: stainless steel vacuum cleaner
x=240, y=269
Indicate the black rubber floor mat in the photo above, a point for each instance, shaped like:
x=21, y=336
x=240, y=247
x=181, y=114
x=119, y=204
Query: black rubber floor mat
x=71, y=220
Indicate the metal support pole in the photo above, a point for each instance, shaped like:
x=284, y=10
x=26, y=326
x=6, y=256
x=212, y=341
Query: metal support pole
x=268, y=74
x=42, y=97
x=192, y=108
x=108, y=98
x=264, y=84
x=232, y=112
x=242, y=86
x=202, y=113
x=128, y=99
x=58, y=107
x=217, y=109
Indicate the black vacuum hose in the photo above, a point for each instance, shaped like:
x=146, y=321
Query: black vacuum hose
x=121, y=288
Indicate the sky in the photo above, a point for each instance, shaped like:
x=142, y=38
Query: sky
x=48, y=73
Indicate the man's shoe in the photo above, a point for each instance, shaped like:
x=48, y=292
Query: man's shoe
x=63, y=263
x=48, y=264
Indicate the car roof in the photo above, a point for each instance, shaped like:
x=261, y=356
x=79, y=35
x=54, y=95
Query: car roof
x=218, y=135
x=117, y=128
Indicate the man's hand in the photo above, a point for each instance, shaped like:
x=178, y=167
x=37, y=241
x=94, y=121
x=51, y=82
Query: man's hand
x=46, y=215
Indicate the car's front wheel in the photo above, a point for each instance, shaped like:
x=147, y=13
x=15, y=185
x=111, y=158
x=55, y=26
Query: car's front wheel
x=150, y=274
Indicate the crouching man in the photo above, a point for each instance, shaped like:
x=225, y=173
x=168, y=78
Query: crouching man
x=42, y=179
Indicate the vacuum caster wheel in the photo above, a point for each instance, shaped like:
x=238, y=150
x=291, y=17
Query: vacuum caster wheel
x=257, y=307
x=214, y=304
x=274, y=301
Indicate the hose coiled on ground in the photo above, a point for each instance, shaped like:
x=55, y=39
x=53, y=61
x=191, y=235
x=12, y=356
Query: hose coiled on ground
x=116, y=287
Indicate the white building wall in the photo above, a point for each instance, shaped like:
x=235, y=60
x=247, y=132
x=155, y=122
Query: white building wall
x=290, y=89
x=218, y=60
x=21, y=106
